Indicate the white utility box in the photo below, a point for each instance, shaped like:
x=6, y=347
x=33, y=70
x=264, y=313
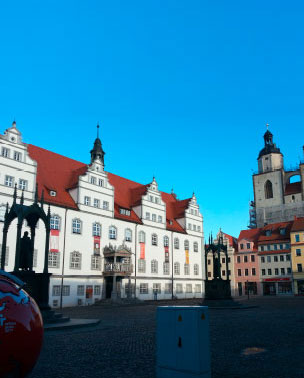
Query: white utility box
x=182, y=342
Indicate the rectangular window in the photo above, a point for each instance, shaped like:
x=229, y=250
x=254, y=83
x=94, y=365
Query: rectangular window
x=269, y=272
x=80, y=290
x=276, y=271
x=241, y=246
x=97, y=290
x=229, y=260
x=198, y=288
x=96, y=203
x=298, y=252
x=299, y=266
x=56, y=290
x=223, y=273
x=275, y=247
x=179, y=288
x=153, y=217
x=246, y=272
x=168, y=288
x=252, y=258
x=156, y=288
x=283, y=271
x=288, y=270
x=263, y=272
x=156, y=200
x=9, y=181
x=5, y=152
x=262, y=248
x=147, y=215
x=143, y=288
x=54, y=259
x=281, y=246
x=287, y=257
x=124, y=211
x=93, y=180
x=297, y=238
x=268, y=258
x=22, y=184
x=209, y=262
x=262, y=259
x=17, y=155
x=87, y=201
x=100, y=182
x=238, y=259
x=268, y=247
x=223, y=260
x=65, y=290
x=275, y=258
x=194, y=227
x=95, y=262
x=105, y=205
x=188, y=288
x=248, y=245
x=141, y=266
x=281, y=257
x=253, y=272
x=166, y=268
x=160, y=219
x=245, y=259
x=239, y=272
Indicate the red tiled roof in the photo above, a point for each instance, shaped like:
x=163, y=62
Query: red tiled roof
x=231, y=239
x=275, y=233
x=251, y=235
x=59, y=173
x=293, y=188
x=298, y=225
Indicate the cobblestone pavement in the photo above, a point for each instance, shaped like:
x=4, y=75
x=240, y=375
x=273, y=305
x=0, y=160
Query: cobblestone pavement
x=123, y=344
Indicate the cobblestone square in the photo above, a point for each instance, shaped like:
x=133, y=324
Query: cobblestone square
x=266, y=341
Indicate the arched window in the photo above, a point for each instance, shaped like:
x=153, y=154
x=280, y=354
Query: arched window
x=76, y=226
x=128, y=235
x=154, y=239
x=142, y=237
x=154, y=266
x=176, y=268
x=268, y=190
x=75, y=260
x=96, y=229
x=112, y=232
x=55, y=222
x=166, y=241
x=195, y=246
x=187, y=269
x=176, y=243
x=186, y=244
x=196, y=269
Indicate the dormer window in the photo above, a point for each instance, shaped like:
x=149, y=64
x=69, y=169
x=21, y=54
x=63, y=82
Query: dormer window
x=53, y=193
x=282, y=231
x=124, y=211
x=268, y=232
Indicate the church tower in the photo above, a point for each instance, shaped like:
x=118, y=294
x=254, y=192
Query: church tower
x=268, y=183
x=97, y=153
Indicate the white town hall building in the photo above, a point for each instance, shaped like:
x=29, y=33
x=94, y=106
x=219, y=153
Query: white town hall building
x=110, y=237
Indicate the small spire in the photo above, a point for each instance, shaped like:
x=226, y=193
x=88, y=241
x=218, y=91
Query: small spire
x=15, y=194
x=267, y=125
x=97, y=129
x=42, y=198
x=14, y=123
x=36, y=194
x=22, y=197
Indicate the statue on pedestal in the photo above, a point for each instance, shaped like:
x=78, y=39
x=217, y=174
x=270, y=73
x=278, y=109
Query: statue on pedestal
x=26, y=253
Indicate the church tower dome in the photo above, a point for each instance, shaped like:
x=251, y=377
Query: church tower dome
x=270, y=157
x=97, y=152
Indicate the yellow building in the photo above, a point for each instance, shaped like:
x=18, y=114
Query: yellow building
x=297, y=255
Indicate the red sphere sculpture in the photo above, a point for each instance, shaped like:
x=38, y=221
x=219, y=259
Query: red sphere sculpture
x=21, y=328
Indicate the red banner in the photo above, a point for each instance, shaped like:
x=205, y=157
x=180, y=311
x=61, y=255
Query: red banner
x=276, y=279
x=142, y=251
x=166, y=254
x=54, y=241
x=96, y=245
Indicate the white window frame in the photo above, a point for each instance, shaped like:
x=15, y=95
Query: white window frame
x=166, y=241
x=154, y=239
x=154, y=266
x=177, y=268
x=141, y=266
x=9, y=181
x=22, y=185
x=96, y=203
x=142, y=237
x=112, y=233
x=96, y=229
x=176, y=243
x=128, y=235
x=5, y=152
x=87, y=200
x=75, y=260
x=55, y=222
x=76, y=226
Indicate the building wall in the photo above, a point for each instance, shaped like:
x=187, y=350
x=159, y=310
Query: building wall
x=297, y=257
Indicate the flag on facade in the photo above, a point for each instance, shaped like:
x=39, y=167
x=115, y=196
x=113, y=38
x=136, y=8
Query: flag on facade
x=142, y=251
x=187, y=256
x=96, y=245
x=54, y=241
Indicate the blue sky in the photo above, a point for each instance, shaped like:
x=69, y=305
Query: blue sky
x=182, y=89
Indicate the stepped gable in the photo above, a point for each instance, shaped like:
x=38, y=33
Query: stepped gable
x=293, y=188
x=59, y=173
x=298, y=224
x=275, y=236
x=251, y=235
